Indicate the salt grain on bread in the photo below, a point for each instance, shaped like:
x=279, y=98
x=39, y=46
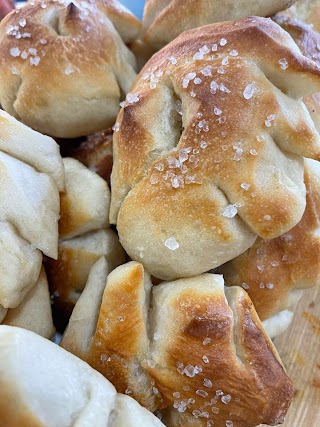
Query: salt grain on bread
x=43, y=385
x=208, y=147
x=189, y=348
x=274, y=271
x=34, y=312
x=64, y=64
x=164, y=20
x=31, y=176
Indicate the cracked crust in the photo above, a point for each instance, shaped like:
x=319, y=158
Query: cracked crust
x=204, y=177
x=198, y=355
x=64, y=65
x=164, y=20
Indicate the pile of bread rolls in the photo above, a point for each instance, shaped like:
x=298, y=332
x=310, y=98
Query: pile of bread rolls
x=164, y=221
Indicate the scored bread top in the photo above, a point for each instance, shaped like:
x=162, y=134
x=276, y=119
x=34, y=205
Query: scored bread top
x=208, y=146
x=164, y=20
x=64, y=64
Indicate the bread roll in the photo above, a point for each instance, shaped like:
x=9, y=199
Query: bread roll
x=208, y=148
x=31, y=177
x=85, y=203
x=41, y=385
x=272, y=269
x=34, y=312
x=65, y=64
x=189, y=348
x=68, y=275
x=164, y=20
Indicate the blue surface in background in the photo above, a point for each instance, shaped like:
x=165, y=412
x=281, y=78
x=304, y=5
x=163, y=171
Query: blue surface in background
x=136, y=6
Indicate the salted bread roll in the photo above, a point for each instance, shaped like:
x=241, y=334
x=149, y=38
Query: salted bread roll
x=65, y=64
x=43, y=385
x=208, y=147
x=275, y=271
x=34, y=312
x=189, y=348
x=31, y=177
x=164, y=20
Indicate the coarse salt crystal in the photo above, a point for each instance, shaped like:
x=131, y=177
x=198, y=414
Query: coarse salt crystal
x=245, y=286
x=171, y=244
x=201, y=393
x=283, y=63
x=207, y=383
x=132, y=98
x=269, y=285
x=15, y=52
x=43, y=41
x=203, y=144
x=176, y=394
x=191, y=371
x=116, y=127
x=206, y=341
x=230, y=211
x=33, y=51
x=173, y=60
x=205, y=359
x=223, y=42
x=215, y=410
x=15, y=71
x=229, y=423
x=217, y=111
x=22, y=23
x=245, y=186
x=206, y=71
x=224, y=88
x=226, y=399
x=234, y=53
x=214, y=87
x=225, y=61
x=221, y=70
x=253, y=152
x=198, y=55
x=69, y=70
x=267, y=217
x=192, y=94
x=197, y=81
x=34, y=61
x=249, y=90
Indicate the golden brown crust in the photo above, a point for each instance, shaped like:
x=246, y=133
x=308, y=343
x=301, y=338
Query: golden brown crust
x=201, y=356
x=63, y=65
x=185, y=178
x=164, y=20
x=270, y=269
